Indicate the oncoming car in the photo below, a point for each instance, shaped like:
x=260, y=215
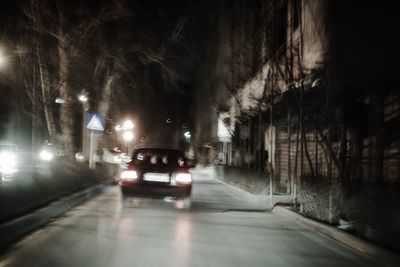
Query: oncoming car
x=157, y=172
x=15, y=160
x=8, y=160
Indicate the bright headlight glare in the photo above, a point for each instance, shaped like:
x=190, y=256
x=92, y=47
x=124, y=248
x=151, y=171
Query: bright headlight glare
x=128, y=136
x=183, y=178
x=46, y=155
x=7, y=160
x=129, y=175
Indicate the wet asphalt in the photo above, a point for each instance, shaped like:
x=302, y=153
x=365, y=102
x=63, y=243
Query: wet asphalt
x=224, y=227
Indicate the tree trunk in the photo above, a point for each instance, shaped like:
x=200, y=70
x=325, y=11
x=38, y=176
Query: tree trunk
x=45, y=85
x=104, y=105
x=66, y=118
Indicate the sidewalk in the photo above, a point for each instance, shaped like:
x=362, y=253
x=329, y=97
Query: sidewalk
x=384, y=256
x=11, y=231
x=262, y=197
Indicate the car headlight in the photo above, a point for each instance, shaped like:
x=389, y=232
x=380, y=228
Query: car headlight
x=183, y=178
x=8, y=162
x=129, y=175
x=46, y=155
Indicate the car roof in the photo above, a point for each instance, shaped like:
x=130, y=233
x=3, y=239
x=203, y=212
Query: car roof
x=159, y=149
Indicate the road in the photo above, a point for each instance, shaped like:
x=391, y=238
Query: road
x=221, y=229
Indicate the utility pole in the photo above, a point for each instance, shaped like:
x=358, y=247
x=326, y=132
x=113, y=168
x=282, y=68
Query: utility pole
x=33, y=137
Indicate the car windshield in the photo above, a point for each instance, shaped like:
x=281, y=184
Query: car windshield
x=160, y=157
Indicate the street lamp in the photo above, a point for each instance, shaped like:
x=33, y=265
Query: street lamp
x=125, y=134
x=83, y=98
x=3, y=59
x=128, y=136
x=6, y=53
x=59, y=100
x=127, y=125
x=187, y=135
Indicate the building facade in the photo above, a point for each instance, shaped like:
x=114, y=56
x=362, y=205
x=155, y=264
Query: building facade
x=313, y=103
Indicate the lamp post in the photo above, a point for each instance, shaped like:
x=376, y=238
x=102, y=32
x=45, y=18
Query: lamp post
x=187, y=135
x=128, y=137
x=125, y=135
x=83, y=98
x=118, y=129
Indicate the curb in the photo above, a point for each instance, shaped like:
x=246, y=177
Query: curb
x=381, y=255
x=256, y=197
x=234, y=187
x=16, y=229
x=265, y=198
x=242, y=191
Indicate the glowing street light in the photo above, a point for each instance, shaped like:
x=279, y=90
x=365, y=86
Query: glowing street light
x=59, y=100
x=46, y=155
x=125, y=134
x=187, y=135
x=83, y=98
x=127, y=125
x=3, y=58
x=5, y=54
x=128, y=136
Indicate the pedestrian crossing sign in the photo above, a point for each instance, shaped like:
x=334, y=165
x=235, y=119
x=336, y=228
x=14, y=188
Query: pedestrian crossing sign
x=95, y=122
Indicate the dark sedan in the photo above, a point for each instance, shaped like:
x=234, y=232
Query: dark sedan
x=157, y=172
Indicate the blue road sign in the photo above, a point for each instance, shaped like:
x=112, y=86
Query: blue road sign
x=95, y=122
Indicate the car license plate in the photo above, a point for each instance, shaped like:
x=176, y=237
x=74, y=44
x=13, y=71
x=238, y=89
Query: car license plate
x=156, y=177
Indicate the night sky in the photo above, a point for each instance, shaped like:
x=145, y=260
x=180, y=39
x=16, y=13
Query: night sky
x=152, y=47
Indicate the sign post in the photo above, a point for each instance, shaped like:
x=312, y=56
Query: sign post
x=92, y=151
x=95, y=123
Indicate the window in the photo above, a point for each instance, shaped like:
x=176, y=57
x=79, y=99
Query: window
x=161, y=157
